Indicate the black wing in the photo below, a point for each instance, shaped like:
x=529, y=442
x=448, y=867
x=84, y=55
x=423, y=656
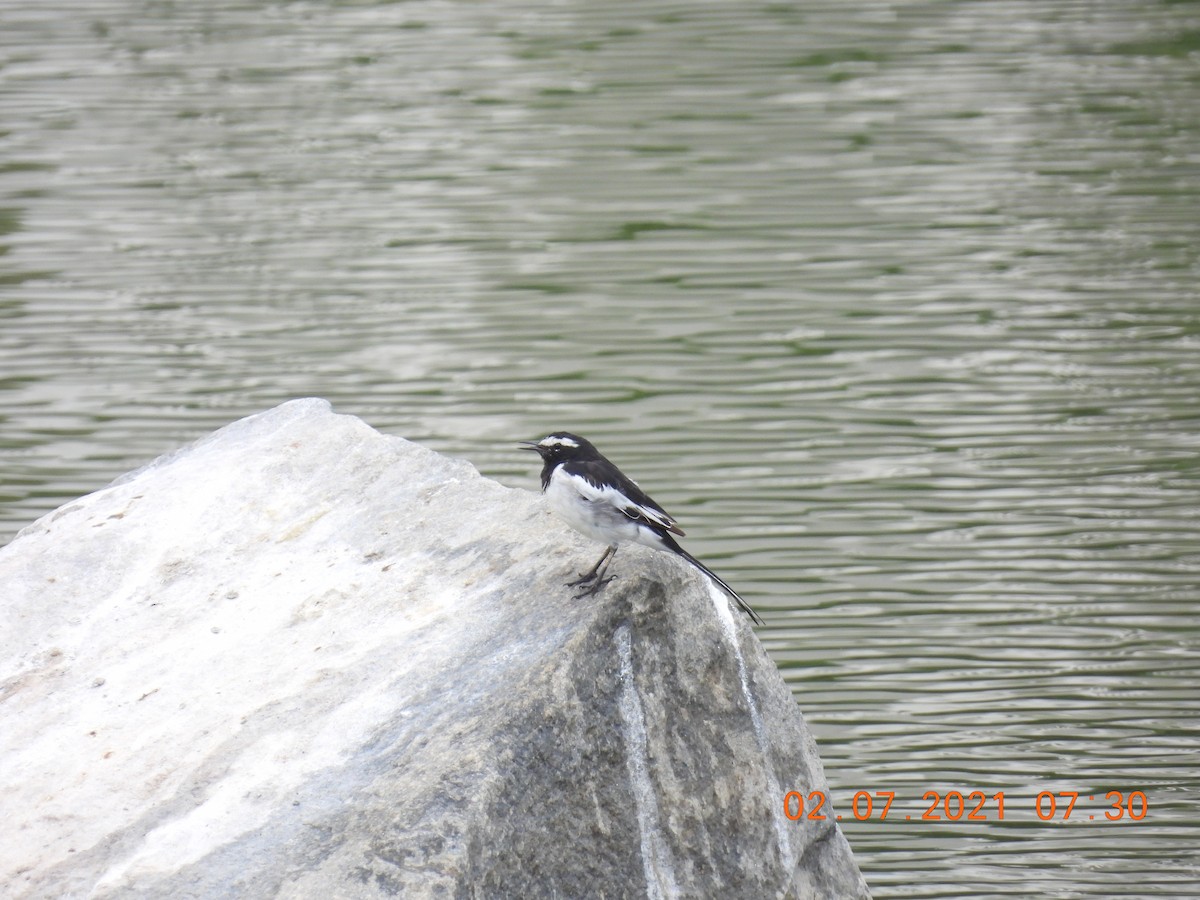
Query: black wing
x=612, y=486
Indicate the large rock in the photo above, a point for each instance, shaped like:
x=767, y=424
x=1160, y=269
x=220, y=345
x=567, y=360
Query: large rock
x=303, y=659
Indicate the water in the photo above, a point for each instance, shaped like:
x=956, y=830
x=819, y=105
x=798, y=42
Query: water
x=892, y=304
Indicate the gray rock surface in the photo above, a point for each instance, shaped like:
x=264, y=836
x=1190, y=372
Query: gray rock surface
x=303, y=659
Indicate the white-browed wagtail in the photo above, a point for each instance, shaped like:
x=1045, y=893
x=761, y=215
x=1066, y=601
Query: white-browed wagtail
x=596, y=499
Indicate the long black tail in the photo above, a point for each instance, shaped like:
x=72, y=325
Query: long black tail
x=719, y=582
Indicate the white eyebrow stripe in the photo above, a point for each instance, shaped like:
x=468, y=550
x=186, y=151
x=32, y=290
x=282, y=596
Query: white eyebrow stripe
x=558, y=442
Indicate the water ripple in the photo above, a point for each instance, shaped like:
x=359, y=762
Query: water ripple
x=893, y=305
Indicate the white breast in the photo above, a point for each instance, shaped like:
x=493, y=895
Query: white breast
x=590, y=510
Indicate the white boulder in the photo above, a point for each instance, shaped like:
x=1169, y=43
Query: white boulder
x=303, y=659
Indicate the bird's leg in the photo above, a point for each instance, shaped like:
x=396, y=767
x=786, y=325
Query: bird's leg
x=594, y=571
x=595, y=576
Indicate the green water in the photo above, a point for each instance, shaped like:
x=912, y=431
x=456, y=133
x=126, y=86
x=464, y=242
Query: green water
x=893, y=305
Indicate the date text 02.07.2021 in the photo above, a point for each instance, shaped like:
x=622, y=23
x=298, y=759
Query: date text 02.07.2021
x=975, y=806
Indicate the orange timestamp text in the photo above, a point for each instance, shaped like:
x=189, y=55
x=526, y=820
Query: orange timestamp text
x=976, y=806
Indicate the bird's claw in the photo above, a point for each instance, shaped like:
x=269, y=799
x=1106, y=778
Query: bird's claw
x=597, y=584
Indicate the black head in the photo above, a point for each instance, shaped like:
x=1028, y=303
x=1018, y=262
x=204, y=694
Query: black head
x=558, y=448
x=562, y=446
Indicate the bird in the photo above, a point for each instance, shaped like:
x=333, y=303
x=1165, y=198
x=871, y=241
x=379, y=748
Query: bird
x=600, y=501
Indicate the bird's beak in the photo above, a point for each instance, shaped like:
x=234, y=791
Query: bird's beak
x=529, y=445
